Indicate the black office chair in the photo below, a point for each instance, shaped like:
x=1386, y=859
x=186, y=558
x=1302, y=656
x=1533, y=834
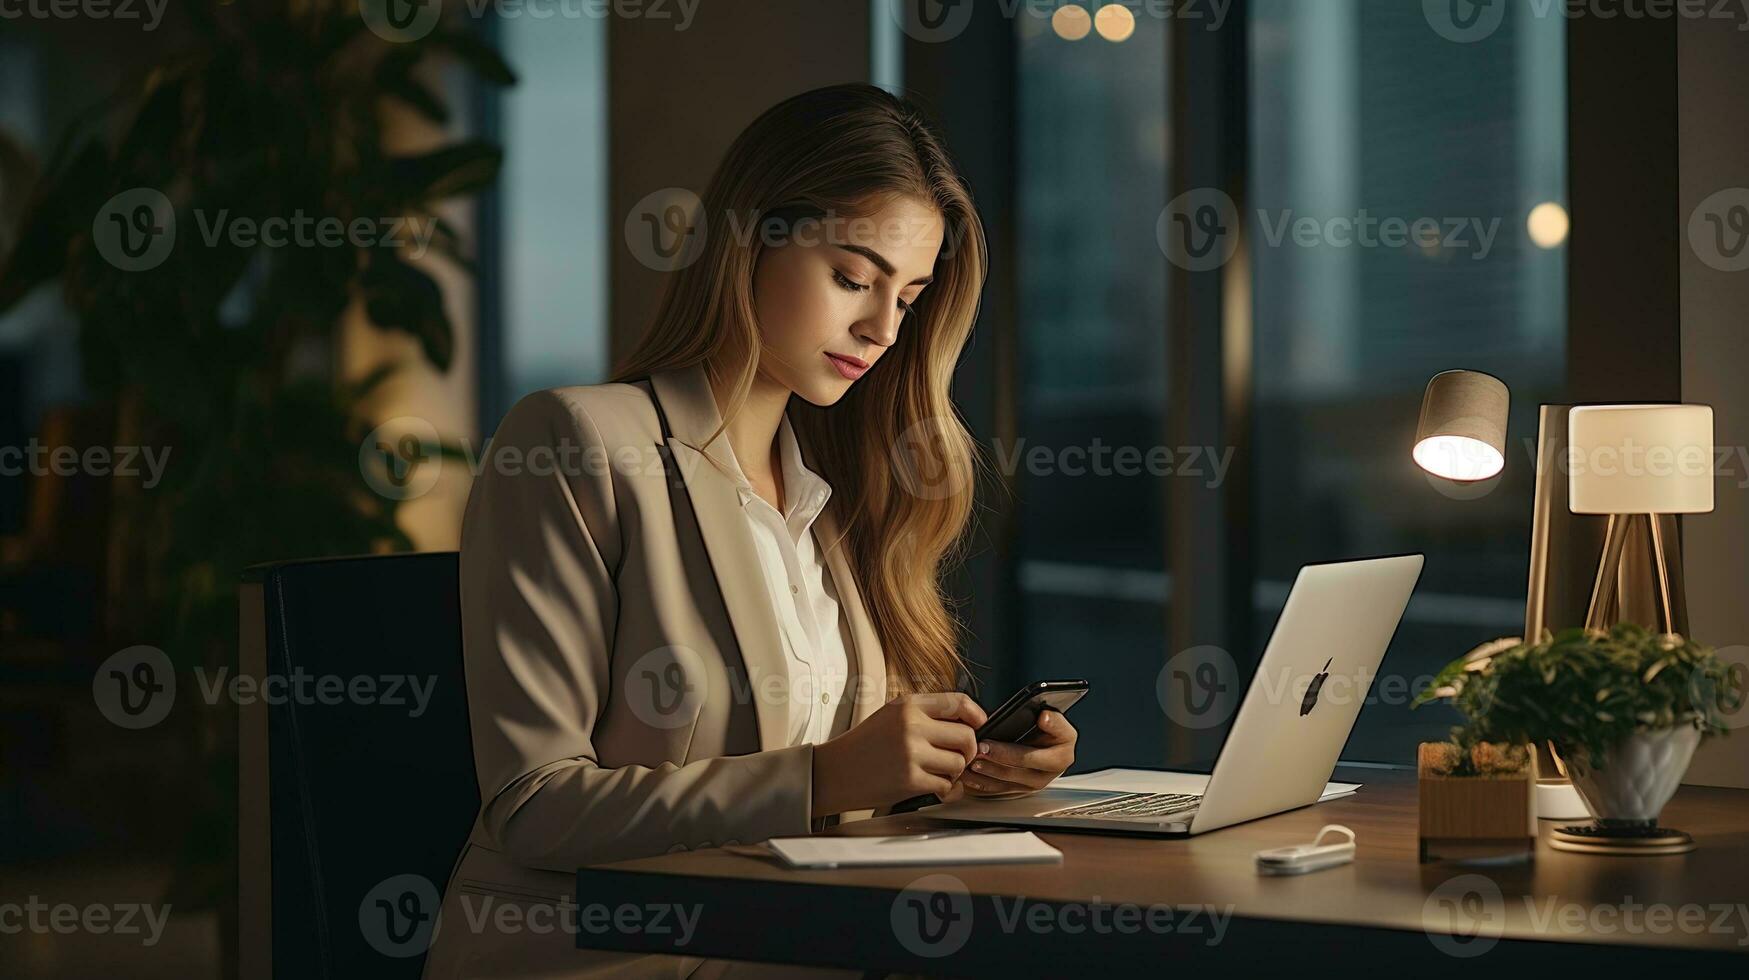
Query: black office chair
x=351, y=808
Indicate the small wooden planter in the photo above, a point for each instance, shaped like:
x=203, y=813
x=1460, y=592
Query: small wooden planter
x=1491, y=816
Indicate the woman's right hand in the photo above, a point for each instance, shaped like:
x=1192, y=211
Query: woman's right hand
x=913, y=744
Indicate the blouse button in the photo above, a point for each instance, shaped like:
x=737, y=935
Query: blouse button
x=793, y=590
x=825, y=699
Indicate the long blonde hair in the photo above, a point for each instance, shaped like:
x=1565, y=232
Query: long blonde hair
x=894, y=449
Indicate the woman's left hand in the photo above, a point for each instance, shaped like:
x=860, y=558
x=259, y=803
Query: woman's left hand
x=1018, y=768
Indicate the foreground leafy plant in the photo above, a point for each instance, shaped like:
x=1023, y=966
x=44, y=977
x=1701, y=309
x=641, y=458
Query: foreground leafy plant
x=1586, y=690
x=222, y=349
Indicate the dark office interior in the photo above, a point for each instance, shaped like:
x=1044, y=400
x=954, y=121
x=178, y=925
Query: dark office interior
x=1239, y=252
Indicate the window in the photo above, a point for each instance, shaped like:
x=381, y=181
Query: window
x=554, y=234
x=1405, y=215
x=1091, y=180
x=1364, y=120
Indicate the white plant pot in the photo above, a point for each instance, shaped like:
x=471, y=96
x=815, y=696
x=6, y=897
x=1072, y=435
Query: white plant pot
x=1641, y=773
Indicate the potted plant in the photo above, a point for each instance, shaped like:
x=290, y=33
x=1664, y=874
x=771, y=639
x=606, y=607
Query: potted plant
x=227, y=348
x=1475, y=800
x=1626, y=707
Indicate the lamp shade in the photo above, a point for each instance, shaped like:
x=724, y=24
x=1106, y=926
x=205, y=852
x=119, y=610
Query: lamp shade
x=1462, y=434
x=1640, y=459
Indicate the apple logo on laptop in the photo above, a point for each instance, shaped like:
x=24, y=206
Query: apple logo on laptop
x=1311, y=699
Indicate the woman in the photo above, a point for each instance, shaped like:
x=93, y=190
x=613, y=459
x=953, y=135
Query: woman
x=711, y=612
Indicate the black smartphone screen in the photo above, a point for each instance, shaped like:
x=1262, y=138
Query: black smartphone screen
x=1018, y=717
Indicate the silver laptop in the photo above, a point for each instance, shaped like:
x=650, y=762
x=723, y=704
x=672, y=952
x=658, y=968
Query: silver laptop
x=1290, y=729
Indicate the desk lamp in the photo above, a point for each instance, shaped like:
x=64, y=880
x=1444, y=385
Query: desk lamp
x=1462, y=434
x=1462, y=437
x=1641, y=465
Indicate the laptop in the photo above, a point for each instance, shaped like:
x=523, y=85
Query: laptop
x=1284, y=742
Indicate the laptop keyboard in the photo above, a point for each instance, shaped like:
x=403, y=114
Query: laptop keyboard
x=1133, y=805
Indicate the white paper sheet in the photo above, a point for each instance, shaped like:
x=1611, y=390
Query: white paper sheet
x=1018, y=847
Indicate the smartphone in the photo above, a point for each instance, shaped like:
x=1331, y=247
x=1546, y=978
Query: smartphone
x=1015, y=721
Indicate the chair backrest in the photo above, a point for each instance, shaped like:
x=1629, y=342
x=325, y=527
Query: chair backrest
x=356, y=781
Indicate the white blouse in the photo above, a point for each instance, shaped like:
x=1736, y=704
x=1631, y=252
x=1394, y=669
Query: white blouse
x=802, y=594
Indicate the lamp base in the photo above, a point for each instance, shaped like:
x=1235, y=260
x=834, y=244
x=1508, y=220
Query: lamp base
x=1557, y=799
x=1639, y=841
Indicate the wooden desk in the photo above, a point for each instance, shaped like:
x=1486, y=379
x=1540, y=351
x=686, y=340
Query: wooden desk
x=1126, y=903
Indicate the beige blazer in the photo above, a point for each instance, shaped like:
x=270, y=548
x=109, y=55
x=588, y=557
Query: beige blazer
x=627, y=685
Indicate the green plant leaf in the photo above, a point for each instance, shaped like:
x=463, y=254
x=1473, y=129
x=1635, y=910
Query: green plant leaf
x=419, y=96
x=397, y=76
x=449, y=172
x=399, y=297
